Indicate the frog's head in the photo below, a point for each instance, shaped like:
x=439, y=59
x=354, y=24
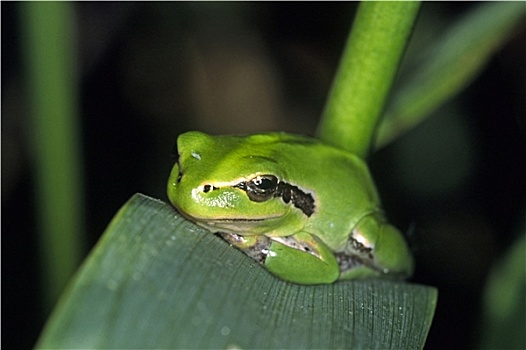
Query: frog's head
x=234, y=184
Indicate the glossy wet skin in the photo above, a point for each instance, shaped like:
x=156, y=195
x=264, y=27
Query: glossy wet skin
x=303, y=209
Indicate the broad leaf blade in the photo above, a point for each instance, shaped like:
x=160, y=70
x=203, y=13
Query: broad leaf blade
x=157, y=281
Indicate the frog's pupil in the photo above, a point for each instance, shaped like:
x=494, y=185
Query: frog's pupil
x=264, y=183
x=260, y=188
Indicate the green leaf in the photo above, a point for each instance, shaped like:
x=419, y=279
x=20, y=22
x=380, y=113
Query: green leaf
x=449, y=65
x=503, y=320
x=155, y=280
x=50, y=68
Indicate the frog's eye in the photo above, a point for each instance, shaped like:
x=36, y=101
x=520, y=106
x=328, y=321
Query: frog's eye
x=261, y=188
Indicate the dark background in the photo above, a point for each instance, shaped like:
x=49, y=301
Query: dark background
x=150, y=71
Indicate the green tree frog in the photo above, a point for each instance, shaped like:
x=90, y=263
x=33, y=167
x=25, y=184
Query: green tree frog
x=309, y=212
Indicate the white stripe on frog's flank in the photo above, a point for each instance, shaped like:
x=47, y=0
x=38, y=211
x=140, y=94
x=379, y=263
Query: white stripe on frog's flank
x=219, y=184
x=196, y=155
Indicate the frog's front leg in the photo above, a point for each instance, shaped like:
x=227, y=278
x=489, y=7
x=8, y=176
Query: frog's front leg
x=257, y=247
x=300, y=258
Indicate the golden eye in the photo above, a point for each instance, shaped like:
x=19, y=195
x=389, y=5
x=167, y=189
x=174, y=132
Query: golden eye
x=261, y=188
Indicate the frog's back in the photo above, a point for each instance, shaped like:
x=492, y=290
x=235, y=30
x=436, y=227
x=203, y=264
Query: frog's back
x=340, y=182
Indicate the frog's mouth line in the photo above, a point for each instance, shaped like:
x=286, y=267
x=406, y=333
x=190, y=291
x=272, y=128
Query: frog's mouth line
x=199, y=219
x=238, y=220
x=246, y=227
x=228, y=224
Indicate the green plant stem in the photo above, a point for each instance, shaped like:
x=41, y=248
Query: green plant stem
x=368, y=67
x=52, y=93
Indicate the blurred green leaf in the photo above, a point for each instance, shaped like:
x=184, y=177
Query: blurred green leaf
x=504, y=301
x=155, y=280
x=51, y=82
x=449, y=65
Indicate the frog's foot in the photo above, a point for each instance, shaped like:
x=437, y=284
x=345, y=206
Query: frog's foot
x=300, y=258
x=305, y=244
x=258, y=247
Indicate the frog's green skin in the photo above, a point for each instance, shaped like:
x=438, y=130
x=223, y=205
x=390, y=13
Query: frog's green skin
x=309, y=212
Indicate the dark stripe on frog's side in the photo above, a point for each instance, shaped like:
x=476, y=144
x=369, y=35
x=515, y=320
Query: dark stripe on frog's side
x=299, y=199
x=289, y=194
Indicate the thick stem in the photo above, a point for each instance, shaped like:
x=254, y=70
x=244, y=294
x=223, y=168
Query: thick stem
x=368, y=67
